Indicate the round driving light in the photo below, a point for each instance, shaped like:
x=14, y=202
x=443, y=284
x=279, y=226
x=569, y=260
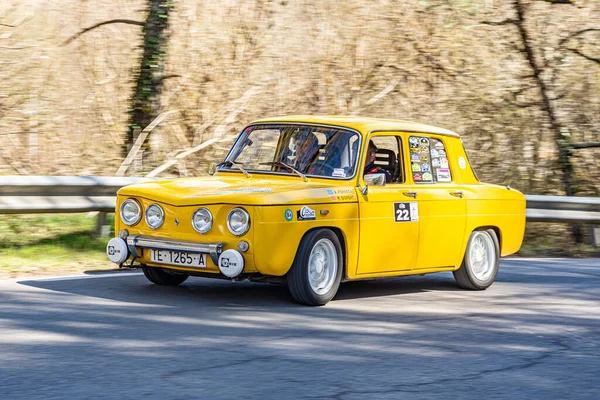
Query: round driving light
x=238, y=221
x=117, y=251
x=155, y=216
x=202, y=220
x=123, y=233
x=243, y=246
x=131, y=212
x=231, y=263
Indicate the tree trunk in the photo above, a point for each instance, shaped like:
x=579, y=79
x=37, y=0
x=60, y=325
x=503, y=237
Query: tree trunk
x=145, y=103
x=561, y=140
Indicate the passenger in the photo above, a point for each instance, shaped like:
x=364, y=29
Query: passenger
x=371, y=168
x=307, y=149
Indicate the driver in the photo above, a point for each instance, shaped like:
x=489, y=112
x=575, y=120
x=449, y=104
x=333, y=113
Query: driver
x=371, y=168
x=306, y=145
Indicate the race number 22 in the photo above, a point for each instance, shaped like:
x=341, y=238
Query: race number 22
x=406, y=212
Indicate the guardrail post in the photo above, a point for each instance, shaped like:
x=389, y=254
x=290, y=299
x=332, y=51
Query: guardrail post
x=596, y=236
x=102, y=229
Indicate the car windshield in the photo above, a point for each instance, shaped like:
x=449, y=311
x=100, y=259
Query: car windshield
x=292, y=148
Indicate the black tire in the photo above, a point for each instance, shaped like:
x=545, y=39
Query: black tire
x=162, y=277
x=298, y=276
x=466, y=276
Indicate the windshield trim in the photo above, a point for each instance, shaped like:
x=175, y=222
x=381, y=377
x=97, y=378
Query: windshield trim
x=254, y=171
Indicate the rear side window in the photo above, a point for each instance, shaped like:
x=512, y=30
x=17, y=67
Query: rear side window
x=428, y=160
x=387, y=158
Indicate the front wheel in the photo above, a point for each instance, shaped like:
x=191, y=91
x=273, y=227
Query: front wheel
x=317, y=270
x=162, y=277
x=482, y=259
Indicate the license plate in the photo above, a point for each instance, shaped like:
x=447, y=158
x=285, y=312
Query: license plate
x=178, y=258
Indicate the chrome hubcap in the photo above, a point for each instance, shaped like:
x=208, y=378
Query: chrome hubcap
x=482, y=255
x=322, y=266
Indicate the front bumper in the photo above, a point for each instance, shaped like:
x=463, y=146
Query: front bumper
x=139, y=241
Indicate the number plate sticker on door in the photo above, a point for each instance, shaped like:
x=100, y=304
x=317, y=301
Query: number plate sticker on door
x=182, y=258
x=406, y=212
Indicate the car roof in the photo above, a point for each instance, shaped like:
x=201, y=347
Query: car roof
x=361, y=124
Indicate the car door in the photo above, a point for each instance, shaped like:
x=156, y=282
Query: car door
x=441, y=202
x=389, y=223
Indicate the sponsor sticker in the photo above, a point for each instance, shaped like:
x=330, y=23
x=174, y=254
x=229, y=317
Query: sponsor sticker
x=427, y=176
x=339, y=172
x=434, y=153
x=406, y=212
x=462, y=163
x=443, y=175
x=289, y=215
x=439, y=145
x=415, y=157
x=341, y=194
x=442, y=153
x=416, y=167
x=425, y=167
x=413, y=141
x=444, y=162
x=424, y=142
x=417, y=177
x=248, y=190
x=306, y=213
x=435, y=162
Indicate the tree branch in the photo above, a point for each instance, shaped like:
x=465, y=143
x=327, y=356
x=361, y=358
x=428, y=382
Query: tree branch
x=560, y=1
x=576, y=51
x=585, y=145
x=112, y=21
x=500, y=23
x=578, y=33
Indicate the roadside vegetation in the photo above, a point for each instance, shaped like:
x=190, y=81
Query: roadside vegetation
x=58, y=244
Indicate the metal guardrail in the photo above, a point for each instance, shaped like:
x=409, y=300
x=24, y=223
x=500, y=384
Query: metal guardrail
x=563, y=209
x=63, y=194
x=70, y=194
x=60, y=194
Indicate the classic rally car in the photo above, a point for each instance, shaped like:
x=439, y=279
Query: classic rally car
x=314, y=201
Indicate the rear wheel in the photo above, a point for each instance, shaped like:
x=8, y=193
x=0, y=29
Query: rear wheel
x=482, y=259
x=317, y=270
x=162, y=277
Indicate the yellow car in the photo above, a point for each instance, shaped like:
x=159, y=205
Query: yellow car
x=314, y=201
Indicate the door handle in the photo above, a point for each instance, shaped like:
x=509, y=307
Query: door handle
x=457, y=194
x=410, y=194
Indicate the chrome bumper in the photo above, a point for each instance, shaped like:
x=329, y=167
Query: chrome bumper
x=146, y=242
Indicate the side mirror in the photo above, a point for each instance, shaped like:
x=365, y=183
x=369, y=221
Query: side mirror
x=212, y=168
x=374, y=179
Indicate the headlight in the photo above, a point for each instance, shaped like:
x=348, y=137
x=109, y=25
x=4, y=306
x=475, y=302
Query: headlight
x=131, y=212
x=238, y=221
x=202, y=220
x=155, y=216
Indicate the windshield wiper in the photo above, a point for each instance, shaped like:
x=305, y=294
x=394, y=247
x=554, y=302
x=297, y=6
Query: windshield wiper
x=284, y=165
x=232, y=164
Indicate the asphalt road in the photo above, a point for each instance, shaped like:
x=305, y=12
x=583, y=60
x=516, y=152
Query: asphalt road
x=535, y=334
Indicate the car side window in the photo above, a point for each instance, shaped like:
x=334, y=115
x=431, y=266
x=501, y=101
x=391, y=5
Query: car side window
x=387, y=156
x=428, y=160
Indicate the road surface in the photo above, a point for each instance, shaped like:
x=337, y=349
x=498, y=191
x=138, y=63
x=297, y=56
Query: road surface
x=535, y=334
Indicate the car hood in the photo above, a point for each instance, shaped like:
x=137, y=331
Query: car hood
x=241, y=191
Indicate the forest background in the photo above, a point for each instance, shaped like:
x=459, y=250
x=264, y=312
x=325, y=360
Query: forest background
x=518, y=79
